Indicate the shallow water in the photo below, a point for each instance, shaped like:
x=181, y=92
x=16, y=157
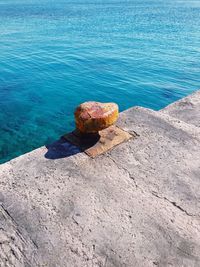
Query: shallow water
x=57, y=54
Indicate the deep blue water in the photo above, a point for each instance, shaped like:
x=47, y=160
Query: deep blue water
x=57, y=54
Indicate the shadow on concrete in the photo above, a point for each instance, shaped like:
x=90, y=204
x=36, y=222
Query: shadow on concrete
x=61, y=149
x=70, y=144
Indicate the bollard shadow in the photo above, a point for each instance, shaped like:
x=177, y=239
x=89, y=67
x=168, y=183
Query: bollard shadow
x=71, y=144
x=61, y=149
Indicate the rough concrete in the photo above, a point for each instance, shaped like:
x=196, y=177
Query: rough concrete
x=137, y=205
x=186, y=109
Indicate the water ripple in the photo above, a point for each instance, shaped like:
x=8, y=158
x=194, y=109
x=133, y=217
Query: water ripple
x=56, y=55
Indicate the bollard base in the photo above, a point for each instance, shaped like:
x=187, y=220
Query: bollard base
x=97, y=144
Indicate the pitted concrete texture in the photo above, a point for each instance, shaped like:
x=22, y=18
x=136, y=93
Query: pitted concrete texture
x=136, y=206
x=187, y=109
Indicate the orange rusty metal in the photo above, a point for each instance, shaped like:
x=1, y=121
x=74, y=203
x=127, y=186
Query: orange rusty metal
x=92, y=117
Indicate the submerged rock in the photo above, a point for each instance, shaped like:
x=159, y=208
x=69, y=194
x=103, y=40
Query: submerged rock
x=92, y=117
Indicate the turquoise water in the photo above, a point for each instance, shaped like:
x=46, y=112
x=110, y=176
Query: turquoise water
x=57, y=54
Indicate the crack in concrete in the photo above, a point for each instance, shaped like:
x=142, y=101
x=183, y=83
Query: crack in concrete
x=124, y=169
x=174, y=204
x=7, y=214
x=77, y=223
x=152, y=192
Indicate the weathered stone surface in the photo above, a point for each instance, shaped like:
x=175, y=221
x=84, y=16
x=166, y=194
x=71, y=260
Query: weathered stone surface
x=92, y=117
x=165, y=159
x=137, y=205
x=186, y=109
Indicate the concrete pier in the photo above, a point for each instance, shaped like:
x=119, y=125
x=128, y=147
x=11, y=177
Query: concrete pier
x=137, y=205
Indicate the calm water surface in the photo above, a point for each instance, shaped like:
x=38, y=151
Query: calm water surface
x=56, y=54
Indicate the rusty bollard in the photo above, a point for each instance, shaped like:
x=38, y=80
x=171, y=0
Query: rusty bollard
x=95, y=130
x=92, y=117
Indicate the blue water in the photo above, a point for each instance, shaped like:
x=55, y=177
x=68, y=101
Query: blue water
x=57, y=54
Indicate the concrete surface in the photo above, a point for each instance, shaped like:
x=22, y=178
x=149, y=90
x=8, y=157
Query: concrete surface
x=186, y=109
x=137, y=205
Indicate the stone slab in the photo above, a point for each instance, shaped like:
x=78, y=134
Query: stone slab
x=136, y=205
x=186, y=109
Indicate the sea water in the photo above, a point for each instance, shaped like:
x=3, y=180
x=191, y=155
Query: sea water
x=57, y=54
